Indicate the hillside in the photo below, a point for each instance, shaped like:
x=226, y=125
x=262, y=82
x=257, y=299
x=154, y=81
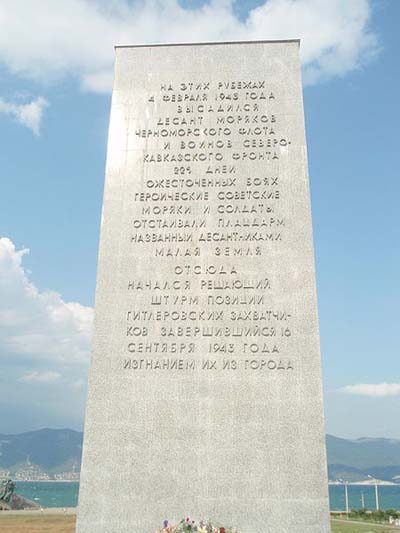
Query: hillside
x=53, y=453
x=37, y=453
x=354, y=460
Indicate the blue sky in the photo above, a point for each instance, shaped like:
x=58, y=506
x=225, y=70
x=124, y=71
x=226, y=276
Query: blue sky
x=55, y=73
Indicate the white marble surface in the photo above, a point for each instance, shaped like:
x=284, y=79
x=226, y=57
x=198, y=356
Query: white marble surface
x=242, y=445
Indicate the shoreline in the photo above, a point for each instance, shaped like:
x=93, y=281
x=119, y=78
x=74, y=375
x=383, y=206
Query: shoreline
x=46, y=480
x=365, y=484
x=333, y=483
x=41, y=511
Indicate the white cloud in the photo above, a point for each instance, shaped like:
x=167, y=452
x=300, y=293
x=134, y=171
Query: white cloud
x=38, y=326
x=373, y=389
x=29, y=115
x=40, y=377
x=44, y=350
x=77, y=37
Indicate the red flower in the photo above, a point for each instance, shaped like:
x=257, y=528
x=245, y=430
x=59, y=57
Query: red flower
x=221, y=530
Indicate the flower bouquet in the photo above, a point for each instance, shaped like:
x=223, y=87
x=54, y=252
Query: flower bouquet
x=192, y=526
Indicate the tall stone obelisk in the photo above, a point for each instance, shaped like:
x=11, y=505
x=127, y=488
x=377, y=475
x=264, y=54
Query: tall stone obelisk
x=205, y=395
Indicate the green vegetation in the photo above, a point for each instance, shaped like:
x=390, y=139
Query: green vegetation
x=373, y=516
x=364, y=521
x=343, y=527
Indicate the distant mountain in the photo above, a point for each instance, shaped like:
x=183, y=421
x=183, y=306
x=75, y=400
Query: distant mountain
x=37, y=453
x=354, y=460
x=56, y=453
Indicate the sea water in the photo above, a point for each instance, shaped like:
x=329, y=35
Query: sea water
x=65, y=494
x=49, y=493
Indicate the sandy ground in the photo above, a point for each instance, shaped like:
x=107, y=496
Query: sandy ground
x=55, y=521
x=63, y=521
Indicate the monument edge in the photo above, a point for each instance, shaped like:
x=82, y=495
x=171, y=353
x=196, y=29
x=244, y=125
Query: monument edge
x=208, y=43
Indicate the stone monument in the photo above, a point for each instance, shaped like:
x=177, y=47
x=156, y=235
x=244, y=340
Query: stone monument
x=205, y=393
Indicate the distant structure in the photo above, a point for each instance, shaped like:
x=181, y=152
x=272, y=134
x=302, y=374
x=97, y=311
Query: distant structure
x=7, y=487
x=9, y=500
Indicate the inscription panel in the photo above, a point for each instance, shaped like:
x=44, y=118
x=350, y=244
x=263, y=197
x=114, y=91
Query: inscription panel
x=205, y=389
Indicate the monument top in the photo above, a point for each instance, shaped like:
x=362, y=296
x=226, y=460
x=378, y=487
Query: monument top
x=208, y=43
